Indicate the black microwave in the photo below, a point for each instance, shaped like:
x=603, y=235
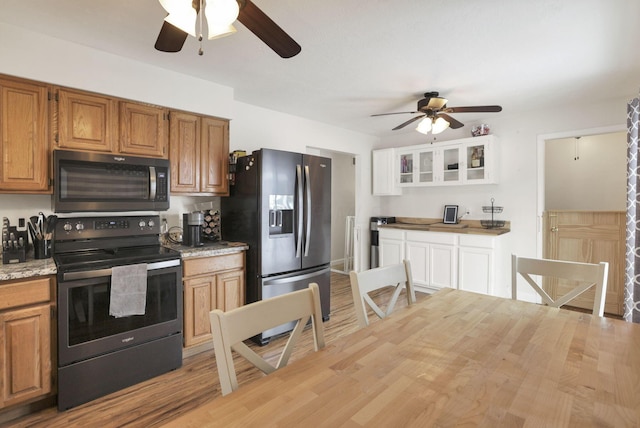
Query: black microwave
x=96, y=182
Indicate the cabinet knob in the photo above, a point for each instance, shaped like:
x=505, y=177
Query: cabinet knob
x=554, y=229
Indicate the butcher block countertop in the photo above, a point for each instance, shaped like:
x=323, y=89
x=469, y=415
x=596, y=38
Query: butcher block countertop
x=436, y=225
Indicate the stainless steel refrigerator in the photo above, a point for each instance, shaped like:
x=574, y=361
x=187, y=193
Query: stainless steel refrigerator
x=280, y=205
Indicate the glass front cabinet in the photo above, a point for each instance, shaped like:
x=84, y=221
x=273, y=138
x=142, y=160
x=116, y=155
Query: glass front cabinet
x=466, y=161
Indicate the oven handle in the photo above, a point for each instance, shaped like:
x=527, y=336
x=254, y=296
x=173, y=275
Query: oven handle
x=72, y=276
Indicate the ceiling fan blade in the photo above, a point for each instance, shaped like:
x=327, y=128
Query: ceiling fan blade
x=268, y=31
x=402, y=125
x=400, y=112
x=170, y=39
x=474, y=109
x=453, y=123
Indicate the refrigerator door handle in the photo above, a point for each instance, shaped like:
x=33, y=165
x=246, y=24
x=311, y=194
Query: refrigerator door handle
x=309, y=208
x=300, y=214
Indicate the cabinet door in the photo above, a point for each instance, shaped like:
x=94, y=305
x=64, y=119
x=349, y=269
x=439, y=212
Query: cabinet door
x=214, y=159
x=418, y=255
x=230, y=290
x=475, y=269
x=25, y=354
x=199, y=300
x=450, y=161
x=406, y=168
x=391, y=251
x=86, y=121
x=384, y=176
x=479, y=162
x=442, y=259
x=23, y=144
x=143, y=130
x=184, y=146
x=426, y=167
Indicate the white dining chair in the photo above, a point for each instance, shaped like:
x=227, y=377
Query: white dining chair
x=231, y=328
x=585, y=275
x=365, y=282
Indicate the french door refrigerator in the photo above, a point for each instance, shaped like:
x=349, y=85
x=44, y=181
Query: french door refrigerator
x=280, y=205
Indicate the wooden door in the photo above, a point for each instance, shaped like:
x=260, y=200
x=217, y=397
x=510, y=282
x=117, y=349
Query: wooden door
x=23, y=144
x=589, y=237
x=230, y=292
x=86, y=121
x=199, y=300
x=143, y=130
x=184, y=147
x=25, y=354
x=214, y=159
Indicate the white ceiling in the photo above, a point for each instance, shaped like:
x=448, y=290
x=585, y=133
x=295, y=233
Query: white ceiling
x=373, y=56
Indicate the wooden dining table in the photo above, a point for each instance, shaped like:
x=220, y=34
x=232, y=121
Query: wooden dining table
x=455, y=359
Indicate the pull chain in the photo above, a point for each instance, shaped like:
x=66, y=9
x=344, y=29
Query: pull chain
x=200, y=13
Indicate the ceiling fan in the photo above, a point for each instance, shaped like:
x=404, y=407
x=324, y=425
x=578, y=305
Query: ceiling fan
x=173, y=35
x=435, y=114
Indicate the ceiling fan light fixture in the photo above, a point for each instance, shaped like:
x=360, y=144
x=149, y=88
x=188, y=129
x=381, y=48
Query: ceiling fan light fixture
x=181, y=15
x=439, y=125
x=220, y=15
x=218, y=32
x=424, y=126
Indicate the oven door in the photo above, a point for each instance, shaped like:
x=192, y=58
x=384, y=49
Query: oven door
x=85, y=328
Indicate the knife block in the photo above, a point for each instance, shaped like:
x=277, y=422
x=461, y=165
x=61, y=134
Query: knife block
x=18, y=254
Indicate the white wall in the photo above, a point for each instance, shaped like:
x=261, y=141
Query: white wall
x=586, y=173
x=55, y=61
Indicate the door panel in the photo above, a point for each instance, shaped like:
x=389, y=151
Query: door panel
x=317, y=211
x=589, y=237
x=279, y=203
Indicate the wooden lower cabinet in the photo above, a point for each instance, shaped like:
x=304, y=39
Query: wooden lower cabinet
x=25, y=340
x=215, y=282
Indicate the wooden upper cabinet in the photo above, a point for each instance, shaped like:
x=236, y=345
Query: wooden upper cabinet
x=214, y=162
x=198, y=151
x=24, y=145
x=86, y=121
x=143, y=130
x=184, y=146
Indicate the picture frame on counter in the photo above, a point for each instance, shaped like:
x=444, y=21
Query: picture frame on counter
x=450, y=214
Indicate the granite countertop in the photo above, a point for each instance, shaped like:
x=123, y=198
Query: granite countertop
x=43, y=267
x=30, y=268
x=208, y=249
x=472, y=227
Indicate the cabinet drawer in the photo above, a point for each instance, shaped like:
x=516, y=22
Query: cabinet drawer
x=389, y=233
x=477, y=241
x=432, y=237
x=208, y=265
x=21, y=293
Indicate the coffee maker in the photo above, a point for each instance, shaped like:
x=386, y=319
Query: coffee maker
x=192, y=228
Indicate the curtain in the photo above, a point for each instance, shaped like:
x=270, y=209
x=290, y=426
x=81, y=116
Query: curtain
x=632, y=266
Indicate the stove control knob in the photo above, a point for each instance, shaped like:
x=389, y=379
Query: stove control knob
x=67, y=227
x=151, y=223
x=79, y=226
x=142, y=223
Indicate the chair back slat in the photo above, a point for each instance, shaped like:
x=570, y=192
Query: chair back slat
x=363, y=283
x=584, y=275
x=230, y=329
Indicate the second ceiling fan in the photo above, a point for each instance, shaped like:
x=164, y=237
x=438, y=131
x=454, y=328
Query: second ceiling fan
x=172, y=38
x=435, y=113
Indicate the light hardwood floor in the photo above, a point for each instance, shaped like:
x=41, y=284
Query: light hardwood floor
x=165, y=397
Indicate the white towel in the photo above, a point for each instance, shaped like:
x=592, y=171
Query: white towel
x=128, y=290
